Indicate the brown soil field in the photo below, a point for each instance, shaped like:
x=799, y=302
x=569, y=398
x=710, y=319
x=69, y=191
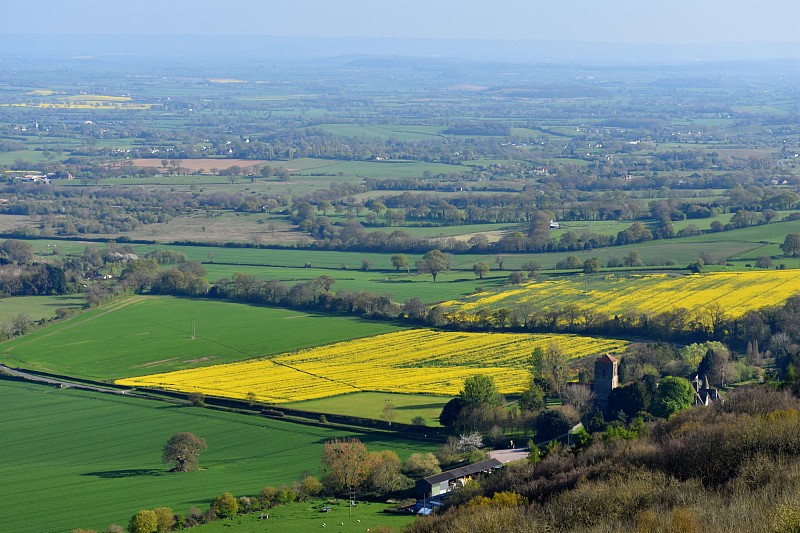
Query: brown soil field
x=201, y=164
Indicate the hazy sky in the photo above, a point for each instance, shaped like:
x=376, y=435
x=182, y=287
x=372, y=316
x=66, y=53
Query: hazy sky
x=635, y=21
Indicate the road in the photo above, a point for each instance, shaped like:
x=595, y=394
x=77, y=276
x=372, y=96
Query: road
x=64, y=384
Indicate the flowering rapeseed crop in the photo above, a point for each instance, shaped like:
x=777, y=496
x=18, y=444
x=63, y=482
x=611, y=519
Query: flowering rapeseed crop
x=411, y=361
x=735, y=292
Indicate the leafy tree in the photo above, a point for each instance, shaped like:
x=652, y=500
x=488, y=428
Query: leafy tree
x=384, y=472
x=419, y=465
x=144, y=521
x=630, y=399
x=480, y=389
x=182, y=449
x=791, y=244
x=309, y=486
x=570, y=263
x=591, y=265
x=633, y=259
x=225, y=505
x=346, y=465
x=555, y=363
x=400, y=261
x=285, y=496
x=16, y=251
x=433, y=262
x=674, y=394
x=480, y=269
x=269, y=496
x=451, y=411
x=533, y=398
x=696, y=267
x=635, y=233
x=166, y=519
x=550, y=424
x=713, y=366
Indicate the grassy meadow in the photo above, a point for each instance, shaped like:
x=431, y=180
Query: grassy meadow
x=372, y=404
x=38, y=307
x=301, y=517
x=141, y=334
x=79, y=459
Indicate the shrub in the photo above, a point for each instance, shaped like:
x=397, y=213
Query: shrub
x=225, y=505
x=144, y=521
x=269, y=495
x=166, y=519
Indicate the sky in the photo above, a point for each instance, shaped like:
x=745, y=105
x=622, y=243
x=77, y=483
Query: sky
x=614, y=21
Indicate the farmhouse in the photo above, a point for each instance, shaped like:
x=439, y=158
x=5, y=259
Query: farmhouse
x=452, y=479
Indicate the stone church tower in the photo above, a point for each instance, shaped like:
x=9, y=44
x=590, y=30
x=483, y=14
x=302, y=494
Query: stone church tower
x=605, y=379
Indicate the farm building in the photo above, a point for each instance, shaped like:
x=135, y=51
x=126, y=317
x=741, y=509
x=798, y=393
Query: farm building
x=452, y=479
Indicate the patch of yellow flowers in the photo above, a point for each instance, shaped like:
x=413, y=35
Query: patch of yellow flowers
x=410, y=361
x=735, y=293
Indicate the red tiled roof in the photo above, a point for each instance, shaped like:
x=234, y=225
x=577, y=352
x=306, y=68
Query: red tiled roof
x=607, y=358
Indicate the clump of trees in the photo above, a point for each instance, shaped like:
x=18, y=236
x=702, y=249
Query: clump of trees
x=350, y=469
x=737, y=462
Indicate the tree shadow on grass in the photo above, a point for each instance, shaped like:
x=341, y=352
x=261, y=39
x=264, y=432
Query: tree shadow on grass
x=420, y=406
x=120, y=474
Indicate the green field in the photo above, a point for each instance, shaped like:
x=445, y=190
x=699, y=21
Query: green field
x=399, y=286
x=371, y=405
x=144, y=335
x=78, y=459
x=397, y=131
x=38, y=307
x=302, y=517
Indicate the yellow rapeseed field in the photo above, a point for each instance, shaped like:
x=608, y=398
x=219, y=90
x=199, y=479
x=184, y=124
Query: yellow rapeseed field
x=411, y=361
x=735, y=292
x=84, y=101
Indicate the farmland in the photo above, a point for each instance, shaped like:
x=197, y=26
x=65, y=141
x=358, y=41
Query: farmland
x=270, y=164
x=58, y=467
x=612, y=294
x=37, y=307
x=141, y=334
x=371, y=405
x=302, y=517
x=412, y=361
